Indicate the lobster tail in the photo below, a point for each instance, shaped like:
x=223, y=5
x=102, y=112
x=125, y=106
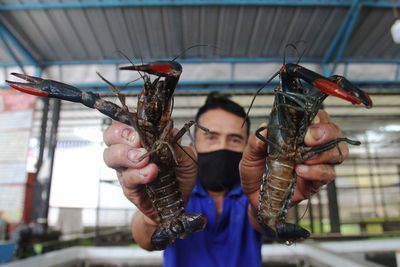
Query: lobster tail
x=179, y=227
x=291, y=233
x=167, y=200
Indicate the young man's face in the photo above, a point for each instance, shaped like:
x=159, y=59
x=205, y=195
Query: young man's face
x=226, y=132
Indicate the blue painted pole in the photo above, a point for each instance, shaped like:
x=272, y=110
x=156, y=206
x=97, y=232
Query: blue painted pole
x=338, y=43
x=15, y=43
x=352, y=22
x=10, y=51
x=185, y=60
x=185, y=86
x=38, y=72
x=158, y=3
x=215, y=60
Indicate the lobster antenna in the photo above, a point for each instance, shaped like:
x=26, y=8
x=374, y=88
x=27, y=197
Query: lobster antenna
x=184, y=151
x=125, y=56
x=300, y=55
x=302, y=52
x=254, y=98
x=115, y=89
x=190, y=47
x=133, y=81
x=294, y=46
x=286, y=47
x=304, y=213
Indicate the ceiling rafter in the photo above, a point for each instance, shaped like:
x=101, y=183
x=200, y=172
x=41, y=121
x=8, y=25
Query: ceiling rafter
x=159, y=3
x=335, y=51
x=7, y=36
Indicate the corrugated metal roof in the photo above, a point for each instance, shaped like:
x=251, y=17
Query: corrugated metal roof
x=372, y=38
x=61, y=35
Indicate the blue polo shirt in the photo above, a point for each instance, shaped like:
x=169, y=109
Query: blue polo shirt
x=231, y=241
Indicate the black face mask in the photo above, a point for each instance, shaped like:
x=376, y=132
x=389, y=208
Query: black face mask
x=218, y=170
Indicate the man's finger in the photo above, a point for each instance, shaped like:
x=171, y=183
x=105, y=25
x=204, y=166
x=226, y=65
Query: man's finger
x=321, y=133
x=323, y=173
x=119, y=133
x=252, y=164
x=123, y=156
x=186, y=169
x=256, y=148
x=131, y=178
x=322, y=117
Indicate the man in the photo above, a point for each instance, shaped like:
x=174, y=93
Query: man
x=232, y=236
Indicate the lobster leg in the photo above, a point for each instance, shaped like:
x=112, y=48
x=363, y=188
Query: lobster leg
x=336, y=85
x=309, y=152
x=53, y=89
x=178, y=136
x=266, y=140
x=186, y=128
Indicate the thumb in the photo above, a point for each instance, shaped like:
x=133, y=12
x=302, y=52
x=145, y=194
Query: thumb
x=252, y=164
x=315, y=132
x=186, y=169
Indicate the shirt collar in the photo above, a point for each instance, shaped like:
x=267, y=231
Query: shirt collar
x=199, y=190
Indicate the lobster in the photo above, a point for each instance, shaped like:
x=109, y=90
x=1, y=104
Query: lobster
x=153, y=123
x=295, y=106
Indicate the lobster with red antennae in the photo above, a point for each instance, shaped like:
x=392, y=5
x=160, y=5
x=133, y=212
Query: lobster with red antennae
x=295, y=106
x=153, y=123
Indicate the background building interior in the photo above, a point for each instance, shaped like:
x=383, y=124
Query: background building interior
x=57, y=195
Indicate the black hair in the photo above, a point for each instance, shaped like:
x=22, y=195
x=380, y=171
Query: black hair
x=216, y=100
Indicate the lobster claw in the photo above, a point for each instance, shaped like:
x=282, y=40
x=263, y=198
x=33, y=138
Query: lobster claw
x=46, y=88
x=33, y=86
x=353, y=91
x=335, y=85
x=159, y=68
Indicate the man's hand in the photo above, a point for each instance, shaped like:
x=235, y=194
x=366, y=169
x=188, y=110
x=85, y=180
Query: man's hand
x=123, y=153
x=311, y=175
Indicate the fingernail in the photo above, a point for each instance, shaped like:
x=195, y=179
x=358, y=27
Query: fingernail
x=315, y=133
x=135, y=154
x=128, y=135
x=302, y=169
x=316, y=120
x=143, y=173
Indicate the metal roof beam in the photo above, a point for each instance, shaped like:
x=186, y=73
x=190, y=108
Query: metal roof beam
x=355, y=12
x=232, y=60
x=158, y=3
x=312, y=60
x=341, y=39
x=6, y=35
x=381, y=4
x=10, y=51
x=390, y=85
x=370, y=60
